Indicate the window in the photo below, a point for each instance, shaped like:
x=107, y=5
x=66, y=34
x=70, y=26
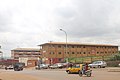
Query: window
x=51, y=52
x=73, y=53
x=52, y=46
x=83, y=46
x=78, y=46
x=67, y=52
x=80, y=52
x=59, y=46
x=84, y=52
x=72, y=46
x=59, y=52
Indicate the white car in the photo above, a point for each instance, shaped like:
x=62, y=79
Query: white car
x=119, y=64
x=9, y=67
x=55, y=66
x=98, y=64
x=42, y=66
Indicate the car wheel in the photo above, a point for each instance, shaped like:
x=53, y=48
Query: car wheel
x=15, y=69
x=89, y=75
x=103, y=67
x=68, y=72
x=80, y=73
x=99, y=66
x=21, y=69
x=90, y=66
x=5, y=68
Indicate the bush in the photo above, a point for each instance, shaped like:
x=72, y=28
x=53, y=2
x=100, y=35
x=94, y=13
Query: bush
x=113, y=63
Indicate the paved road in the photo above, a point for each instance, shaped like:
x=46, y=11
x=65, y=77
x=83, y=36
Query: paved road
x=59, y=74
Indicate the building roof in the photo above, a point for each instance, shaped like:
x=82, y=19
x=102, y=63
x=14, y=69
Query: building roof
x=26, y=49
x=75, y=43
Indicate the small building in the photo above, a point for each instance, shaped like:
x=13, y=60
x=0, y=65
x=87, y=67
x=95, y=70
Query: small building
x=55, y=52
x=27, y=55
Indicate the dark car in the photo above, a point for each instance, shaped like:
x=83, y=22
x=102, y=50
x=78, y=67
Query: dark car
x=18, y=66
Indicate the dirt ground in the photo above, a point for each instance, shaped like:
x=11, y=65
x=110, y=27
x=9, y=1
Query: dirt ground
x=11, y=76
x=31, y=74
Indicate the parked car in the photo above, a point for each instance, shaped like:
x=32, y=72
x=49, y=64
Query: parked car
x=42, y=66
x=119, y=64
x=98, y=64
x=18, y=66
x=55, y=66
x=9, y=67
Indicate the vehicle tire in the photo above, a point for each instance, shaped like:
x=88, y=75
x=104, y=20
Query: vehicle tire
x=68, y=72
x=80, y=73
x=89, y=75
x=15, y=69
x=21, y=69
x=103, y=66
x=99, y=66
x=90, y=66
x=5, y=68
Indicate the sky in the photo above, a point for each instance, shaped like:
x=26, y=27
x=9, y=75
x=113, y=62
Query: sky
x=28, y=23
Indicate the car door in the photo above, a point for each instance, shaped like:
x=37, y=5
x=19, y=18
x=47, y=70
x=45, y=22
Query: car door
x=95, y=64
x=76, y=68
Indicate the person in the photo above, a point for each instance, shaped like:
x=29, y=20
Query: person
x=83, y=69
x=86, y=66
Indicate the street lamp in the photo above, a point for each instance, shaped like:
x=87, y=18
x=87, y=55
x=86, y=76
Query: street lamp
x=66, y=43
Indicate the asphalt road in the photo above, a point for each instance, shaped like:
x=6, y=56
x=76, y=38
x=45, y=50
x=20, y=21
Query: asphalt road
x=57, y=74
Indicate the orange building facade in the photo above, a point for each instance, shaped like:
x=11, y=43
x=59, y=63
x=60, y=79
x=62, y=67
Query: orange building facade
x=55, y=52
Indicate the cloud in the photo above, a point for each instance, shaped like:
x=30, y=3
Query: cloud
x=90, y=18
x=28, y=23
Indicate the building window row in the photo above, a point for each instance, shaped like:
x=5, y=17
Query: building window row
x=106, y=47
x=83, y=52
x=25, y=51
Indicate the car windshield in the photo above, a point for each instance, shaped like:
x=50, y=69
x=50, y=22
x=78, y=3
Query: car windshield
x=96, y=62
x=76, y=66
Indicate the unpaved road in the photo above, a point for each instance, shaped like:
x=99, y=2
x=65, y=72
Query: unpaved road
x=31, y=74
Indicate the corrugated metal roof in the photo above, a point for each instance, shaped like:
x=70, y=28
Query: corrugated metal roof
x=75, y=43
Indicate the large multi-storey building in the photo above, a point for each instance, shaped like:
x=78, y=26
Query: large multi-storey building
x=54, y=52
x=28, y=55
x=31, y=53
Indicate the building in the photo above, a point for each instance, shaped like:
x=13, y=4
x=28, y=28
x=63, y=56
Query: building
x=27, y=55
x=54, y=52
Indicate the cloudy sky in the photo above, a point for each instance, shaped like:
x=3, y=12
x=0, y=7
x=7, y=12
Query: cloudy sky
x=28, y=23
